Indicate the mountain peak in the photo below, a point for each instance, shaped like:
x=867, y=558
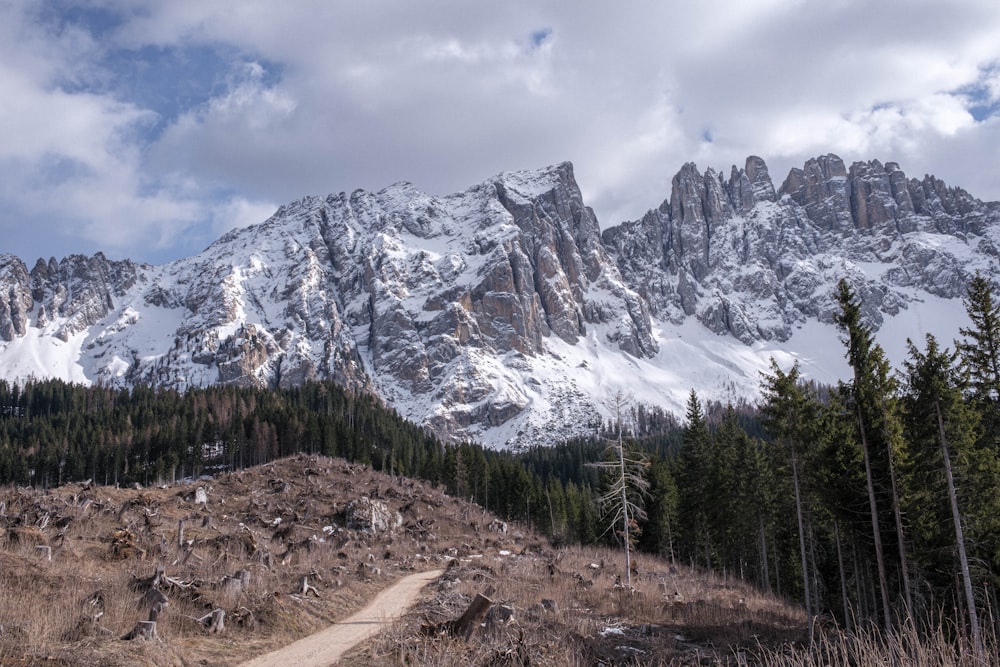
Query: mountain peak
x=501, y=313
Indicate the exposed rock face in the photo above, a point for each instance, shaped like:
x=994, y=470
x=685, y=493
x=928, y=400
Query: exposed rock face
x=753, y=263
x=468, y=311
x=77, y=291
x=15, y=297
x=371, y=516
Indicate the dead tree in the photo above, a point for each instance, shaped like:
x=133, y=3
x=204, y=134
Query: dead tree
x=626, y=472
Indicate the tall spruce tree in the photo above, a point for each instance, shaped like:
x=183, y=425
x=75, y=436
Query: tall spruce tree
x=872, y=394
x=936, y=410
x=694, y=484
x=980, y=353
x=788, y=416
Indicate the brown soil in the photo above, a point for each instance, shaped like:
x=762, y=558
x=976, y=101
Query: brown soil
x=247, y=549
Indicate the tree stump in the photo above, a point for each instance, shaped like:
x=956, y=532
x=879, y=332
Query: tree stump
x=142, y=630
x=306, y=588
x=473, y=616
x=215, y=620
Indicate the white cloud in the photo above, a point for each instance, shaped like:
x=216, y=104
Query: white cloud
x=319, y=97
x=239, y=212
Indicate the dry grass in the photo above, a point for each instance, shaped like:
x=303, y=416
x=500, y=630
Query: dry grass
x=279, y=523
x=871, y=646
x=673, y=615
x=285, y=521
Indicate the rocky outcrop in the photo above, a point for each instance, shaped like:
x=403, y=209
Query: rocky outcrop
x=16, y=300
x=467, y=312
x=371, y=516
x=822, y=188
x=76, y=291
x=753, y=263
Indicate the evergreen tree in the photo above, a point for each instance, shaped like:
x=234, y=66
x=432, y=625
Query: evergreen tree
x=980, y=353
x=659, y=531
x=694, y=485
x=936, y=406
x=790, y=416
x=878, y=429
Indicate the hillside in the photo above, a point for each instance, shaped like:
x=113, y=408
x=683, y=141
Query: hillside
x=261, y=532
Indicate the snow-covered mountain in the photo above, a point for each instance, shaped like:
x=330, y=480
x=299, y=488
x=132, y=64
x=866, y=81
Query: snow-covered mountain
x=502, y=313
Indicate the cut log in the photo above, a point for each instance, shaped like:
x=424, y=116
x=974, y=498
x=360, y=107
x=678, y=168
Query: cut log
x=466, y=625
x=180, y=533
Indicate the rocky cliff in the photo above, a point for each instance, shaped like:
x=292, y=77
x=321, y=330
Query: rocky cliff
x=753, y=262
x=502, y=313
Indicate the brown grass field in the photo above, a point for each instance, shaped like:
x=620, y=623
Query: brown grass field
x=77, y=564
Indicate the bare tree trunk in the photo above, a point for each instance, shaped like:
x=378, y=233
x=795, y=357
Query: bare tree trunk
x=777, y=567
x=900, y=539
x=970, y=599
x=802, y=532
x=848, y=620
x=628, y=545
x=863, y=610
x=763, y=554
x=876, y=531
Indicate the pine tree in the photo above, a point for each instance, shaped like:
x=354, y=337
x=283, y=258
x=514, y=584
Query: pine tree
x=658, y=533
x=788, y=415
x=870, y=393
x=694, y=470
x=936, y=405
x=980, y=353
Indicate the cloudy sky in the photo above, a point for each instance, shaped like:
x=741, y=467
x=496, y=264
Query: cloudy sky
x=147, y=128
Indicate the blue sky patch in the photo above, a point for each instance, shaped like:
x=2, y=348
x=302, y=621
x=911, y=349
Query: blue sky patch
x=61, y=14
x=538, y=37
x=173, y=80
x=168, y=80
x=981, y=101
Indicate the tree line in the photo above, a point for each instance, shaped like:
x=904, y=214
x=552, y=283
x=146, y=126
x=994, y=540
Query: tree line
x=877, y=501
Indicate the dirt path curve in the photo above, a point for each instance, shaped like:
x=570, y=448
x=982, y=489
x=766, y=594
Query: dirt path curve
x=327, y=646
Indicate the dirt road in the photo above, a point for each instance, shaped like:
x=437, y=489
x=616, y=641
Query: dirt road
x=327, y=646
